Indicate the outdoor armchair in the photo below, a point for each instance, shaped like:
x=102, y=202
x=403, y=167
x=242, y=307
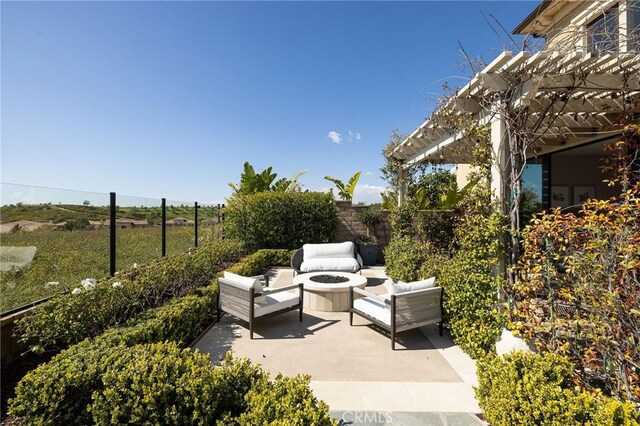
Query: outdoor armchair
x=398, y=312
x=245, y=299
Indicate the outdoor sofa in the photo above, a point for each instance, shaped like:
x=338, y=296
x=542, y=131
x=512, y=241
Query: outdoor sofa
x=337, y=257
x=405, y=307
x=245, y=298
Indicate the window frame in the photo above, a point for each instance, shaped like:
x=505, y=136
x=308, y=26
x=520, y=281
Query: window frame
x=602, y=20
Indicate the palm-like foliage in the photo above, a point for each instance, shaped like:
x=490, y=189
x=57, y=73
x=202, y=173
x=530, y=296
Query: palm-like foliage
x=252, y=182
x=345, y=192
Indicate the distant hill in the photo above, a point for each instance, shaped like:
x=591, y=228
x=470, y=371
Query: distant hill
x=57, y=213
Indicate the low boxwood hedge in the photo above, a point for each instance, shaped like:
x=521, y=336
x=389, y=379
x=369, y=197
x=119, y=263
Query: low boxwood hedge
x=258, y=262
x=70, y=318
x=59, y=391
x=532, y=389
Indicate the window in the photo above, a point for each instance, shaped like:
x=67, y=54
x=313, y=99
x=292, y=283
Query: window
x=602, y=33
x=634, y=25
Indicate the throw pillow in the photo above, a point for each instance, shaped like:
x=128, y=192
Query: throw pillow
x=248, y=282
x=401, y=287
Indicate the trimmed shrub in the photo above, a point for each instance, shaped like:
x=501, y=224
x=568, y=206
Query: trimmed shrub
x=234, y=378
x=156, y=384
x=282, y=220
x=258, y=262
x=530, y=389
x=59, y=391
x=68, y=319
x=284, y=401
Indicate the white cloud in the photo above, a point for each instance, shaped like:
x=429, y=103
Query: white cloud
x=335, y=137
x=354, y=136
x=368, y=194
x=368, y=173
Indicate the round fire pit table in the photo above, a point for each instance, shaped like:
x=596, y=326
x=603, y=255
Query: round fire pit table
x=325, y=293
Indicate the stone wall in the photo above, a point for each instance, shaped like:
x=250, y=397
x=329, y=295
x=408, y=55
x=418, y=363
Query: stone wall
x=349, y=228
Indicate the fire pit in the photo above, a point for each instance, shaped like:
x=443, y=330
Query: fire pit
x=329, y=291
x=329, y=279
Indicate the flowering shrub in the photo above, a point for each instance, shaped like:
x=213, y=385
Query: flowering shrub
x=68, y=319
x=579, y=291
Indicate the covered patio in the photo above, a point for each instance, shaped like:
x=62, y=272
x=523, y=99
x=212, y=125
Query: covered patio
x=427, y=380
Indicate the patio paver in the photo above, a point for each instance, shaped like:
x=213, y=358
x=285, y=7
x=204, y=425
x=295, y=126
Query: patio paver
x=427, y=380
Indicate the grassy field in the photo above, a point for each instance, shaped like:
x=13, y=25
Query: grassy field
x=69, y=257
x=60, y=212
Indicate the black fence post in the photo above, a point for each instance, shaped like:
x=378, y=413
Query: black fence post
x=196, y=222
x=164, y=227
x=221, y=225
x=112, y=233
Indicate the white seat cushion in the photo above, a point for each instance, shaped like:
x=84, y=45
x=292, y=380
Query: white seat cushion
x=411, y=286
x=275, y=302
x=247, y=283
x=330, y=264
x=373, y=308
x=329, y=250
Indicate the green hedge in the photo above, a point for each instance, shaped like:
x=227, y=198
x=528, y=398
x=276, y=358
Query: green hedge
x=59, y=391
x=70, y=318
x=155, y=384
x=284, y=401
x=531, y=389
x=163, y=384
x=62, y=390
x=282, y=220
x=258, y=262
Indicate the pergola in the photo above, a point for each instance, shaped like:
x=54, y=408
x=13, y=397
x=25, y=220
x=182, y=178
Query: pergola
x=579, y=96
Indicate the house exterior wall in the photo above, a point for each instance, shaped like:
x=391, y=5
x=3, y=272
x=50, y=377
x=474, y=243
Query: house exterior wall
x=564, y=24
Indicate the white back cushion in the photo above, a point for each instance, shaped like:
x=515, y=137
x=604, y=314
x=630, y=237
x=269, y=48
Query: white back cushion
x=247, y=282
x=329, y=250
x=412, y=286
x=332, y=264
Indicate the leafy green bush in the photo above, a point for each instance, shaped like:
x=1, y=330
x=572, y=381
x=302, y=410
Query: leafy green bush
x=470, y=303
x=437, y=227
x=284, y=401
x=282, y=220
x=402, y=222
x=77, y=224
x=70, y=318
x=155, y=384
x=59, y=391
x=469, y=279
x=530, y=389
x=404, y=258
x=234, y=378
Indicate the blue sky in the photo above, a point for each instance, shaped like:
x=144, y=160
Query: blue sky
x=169, y=99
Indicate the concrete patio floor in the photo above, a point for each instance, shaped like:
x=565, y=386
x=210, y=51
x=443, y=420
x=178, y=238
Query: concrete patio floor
x=426, y=381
